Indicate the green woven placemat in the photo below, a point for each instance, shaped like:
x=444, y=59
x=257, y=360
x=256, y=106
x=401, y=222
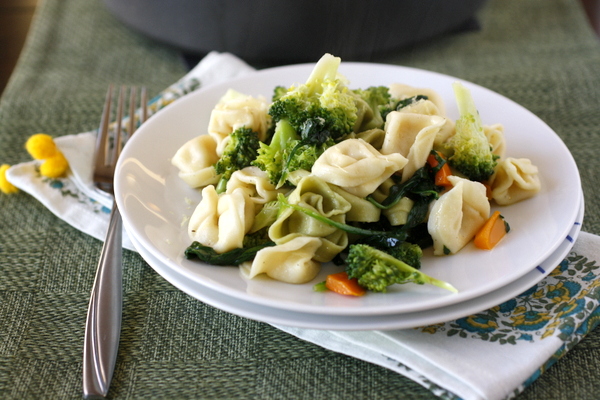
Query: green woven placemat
x=539, y=53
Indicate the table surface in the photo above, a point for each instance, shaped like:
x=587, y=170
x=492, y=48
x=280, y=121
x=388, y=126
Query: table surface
x=540, y=53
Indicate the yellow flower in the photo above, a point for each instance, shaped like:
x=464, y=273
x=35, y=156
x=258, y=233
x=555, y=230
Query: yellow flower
x=5, y=186
x=54, y=166
x=41, y=146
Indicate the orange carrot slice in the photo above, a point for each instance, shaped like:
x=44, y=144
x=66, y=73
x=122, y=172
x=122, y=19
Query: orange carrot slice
x=494, y=229
x=340, y=283
x=441, y=176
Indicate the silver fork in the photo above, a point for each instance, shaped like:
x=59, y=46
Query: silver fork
x=103, y=324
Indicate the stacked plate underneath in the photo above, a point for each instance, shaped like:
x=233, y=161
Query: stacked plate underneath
x=155, y=204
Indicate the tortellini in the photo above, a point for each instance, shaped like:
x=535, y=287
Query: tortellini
x=412, y=136
x=457, y=215
x=515, y=179
x=290, y=262
x=195, y=161
x=236, y=110
x=221, y=221
x=402, y=91
x=314, y=194
x=495, y=135
x=356, y=166
x=255, y=182
x=398, y=213
x=373, y=136
x=425, y=107
x=361, y=209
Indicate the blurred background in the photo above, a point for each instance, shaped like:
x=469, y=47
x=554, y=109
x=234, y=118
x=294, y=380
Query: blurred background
x=16, y=15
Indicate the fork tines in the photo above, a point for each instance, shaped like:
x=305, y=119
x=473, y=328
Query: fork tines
x=109, y=141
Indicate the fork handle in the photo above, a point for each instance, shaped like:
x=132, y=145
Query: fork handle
x=103, y=324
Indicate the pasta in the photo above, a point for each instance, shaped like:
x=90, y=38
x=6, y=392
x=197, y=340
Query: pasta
x=425, y=107
x=255, y=183
x=411, y=135
x=402, y=91
x=221, y=221
x=515, y=179
x=495, y=135
x=291, y=262
x=356, y=166
x=315, y=194
x=397, y=214
x=195, y=161
x=457, y=215
x=236, y=110
x=361, y=210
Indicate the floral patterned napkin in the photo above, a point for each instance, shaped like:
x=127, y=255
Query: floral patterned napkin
x=494, y=354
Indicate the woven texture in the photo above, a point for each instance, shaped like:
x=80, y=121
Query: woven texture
x=540, y=53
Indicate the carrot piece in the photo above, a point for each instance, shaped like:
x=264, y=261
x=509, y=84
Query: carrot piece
x=340, y=283
x=488, y=190
x=441, y=176
x=494, y=229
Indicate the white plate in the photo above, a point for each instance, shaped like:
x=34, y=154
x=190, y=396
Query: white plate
x=366, y=322
x=154, y=201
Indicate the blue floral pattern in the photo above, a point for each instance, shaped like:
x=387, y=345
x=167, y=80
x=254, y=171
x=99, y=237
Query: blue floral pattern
x=556, y=306
x=67, y=188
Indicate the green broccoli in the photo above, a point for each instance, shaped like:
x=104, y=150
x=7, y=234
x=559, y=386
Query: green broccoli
x=410, y=253
x=376, y=270
x=323, y=97
x=471, y=153
x=369, y=112
x=271, y=157
x=239, y=152
x=314, y=140
x=290, y=151
x=278, y=92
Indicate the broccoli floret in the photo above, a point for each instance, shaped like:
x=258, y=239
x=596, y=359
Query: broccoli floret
x=376, y=270
x=278, y=92
x=289, y=151
x=410, y=253
x=272, y=157
x=314, y=140
x=302, y=155
x=471, y=153
x=323, y=97
x=369, y=112
x=239, y=153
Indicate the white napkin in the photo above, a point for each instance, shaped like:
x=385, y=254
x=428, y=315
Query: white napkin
x=491, y=355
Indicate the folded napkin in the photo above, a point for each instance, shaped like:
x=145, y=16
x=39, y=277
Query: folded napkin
x=494, y=354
